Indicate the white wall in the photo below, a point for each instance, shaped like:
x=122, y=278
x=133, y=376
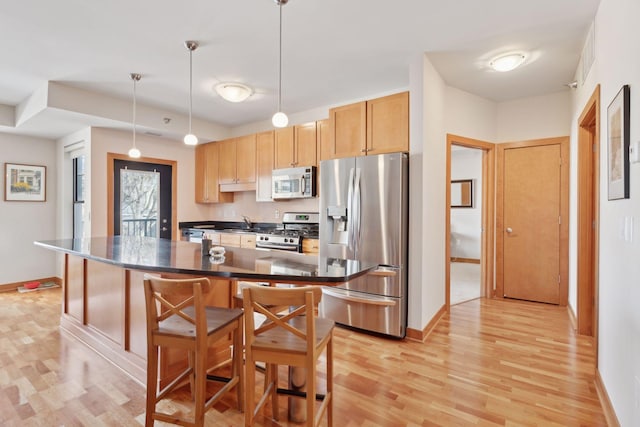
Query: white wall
x=21, y=223
x=618, y=63
x=536, y=117
x=466, y=223
x=432, y=297
x=105, y=141
x=469, y=115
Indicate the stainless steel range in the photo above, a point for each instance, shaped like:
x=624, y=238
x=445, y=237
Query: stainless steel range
x=295, y=227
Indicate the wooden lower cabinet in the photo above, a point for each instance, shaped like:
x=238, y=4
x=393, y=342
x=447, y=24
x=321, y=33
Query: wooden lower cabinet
x=104, y=306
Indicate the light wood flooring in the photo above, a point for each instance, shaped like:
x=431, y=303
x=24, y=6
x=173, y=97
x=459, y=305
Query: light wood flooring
x=488, y=363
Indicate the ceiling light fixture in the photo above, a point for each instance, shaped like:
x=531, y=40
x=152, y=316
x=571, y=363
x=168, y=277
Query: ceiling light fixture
x=507, y=62
x=190, y=138
x=280, y=119
x=233, y=92
x=134, y=152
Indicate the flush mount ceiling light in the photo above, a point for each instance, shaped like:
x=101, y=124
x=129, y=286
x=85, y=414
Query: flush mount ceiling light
x=280, y=119
x=233, y=92
x=508, y=62
x=190, y=138
x=134, y=152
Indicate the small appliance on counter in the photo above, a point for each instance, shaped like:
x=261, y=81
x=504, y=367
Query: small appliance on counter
x=293, y=183
x=295, y=227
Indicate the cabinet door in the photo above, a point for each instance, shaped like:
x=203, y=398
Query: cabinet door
x=206, y=162
x=284, y=148
x=227, y=161
x=388, y=124
x=323, y=140
x=348, y=130
x=305, y=153
x=264, y=165
x=246, y=159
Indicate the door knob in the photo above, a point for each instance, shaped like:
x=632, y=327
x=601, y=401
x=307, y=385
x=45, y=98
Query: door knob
x=509, y=230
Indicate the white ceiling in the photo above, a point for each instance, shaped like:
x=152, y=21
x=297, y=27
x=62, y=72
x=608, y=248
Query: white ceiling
x=334, y=51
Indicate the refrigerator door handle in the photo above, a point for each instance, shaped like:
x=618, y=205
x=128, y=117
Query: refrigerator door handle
x=350, y=229
x=361, y=299
x=357, y=214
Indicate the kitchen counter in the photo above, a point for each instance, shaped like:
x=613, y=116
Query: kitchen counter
x=103, y=303
x=169, y=256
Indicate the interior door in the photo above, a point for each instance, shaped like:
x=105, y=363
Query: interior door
x=531, y=226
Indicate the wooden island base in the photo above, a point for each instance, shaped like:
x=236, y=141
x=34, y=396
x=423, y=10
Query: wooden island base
x=103, y=306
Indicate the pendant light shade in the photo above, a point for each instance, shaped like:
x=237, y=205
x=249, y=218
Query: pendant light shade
x=190, y=138
x=134, y=152
x=280, y=119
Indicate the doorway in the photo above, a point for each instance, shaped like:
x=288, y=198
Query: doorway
x=141, y=197
x=484, y=200
x=588, y=220
x=532, y=220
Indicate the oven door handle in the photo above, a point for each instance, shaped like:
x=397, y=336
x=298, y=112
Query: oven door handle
x=362, y=300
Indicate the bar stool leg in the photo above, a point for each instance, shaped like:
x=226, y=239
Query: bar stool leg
x=152, y=383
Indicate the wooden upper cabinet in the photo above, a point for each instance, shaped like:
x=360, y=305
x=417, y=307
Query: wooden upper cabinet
x=296, y=146
x=348, y=130
x=284, y=147
x=388, y=124
x=305, y=148
x=264, y=165
x=207, y=188
x=246, y=159
x=237, y=164
x=227, y=161
x=323, y=139
x=376, y=126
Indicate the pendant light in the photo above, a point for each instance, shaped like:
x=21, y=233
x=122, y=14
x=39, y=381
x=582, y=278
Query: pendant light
x=134, y=152
x=190, y=138
x=280, y=119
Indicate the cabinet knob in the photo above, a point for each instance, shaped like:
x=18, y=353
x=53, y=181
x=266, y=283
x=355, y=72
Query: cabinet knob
x=364, y=150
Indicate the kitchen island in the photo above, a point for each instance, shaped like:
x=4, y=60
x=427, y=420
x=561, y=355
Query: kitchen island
x=103, y=296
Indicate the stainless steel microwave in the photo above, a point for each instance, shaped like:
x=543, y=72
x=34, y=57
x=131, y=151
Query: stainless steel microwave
x=293, y=183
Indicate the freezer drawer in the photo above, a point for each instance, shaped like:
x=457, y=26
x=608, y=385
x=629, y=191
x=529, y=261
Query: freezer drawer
x=384, y=315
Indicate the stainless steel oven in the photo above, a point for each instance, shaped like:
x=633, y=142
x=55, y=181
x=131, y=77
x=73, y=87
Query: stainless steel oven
x=295, y=227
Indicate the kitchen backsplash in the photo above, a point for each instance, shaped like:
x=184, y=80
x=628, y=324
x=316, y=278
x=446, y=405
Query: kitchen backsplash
x=245, y=204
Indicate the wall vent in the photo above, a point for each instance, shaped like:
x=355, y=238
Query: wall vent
x=588, y=52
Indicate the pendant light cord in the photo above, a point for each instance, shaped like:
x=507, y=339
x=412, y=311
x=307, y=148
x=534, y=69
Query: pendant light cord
x=134, y=110
x=280, y=64
x=190, y=86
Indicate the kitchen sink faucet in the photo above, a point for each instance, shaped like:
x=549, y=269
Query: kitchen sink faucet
x=247, y=221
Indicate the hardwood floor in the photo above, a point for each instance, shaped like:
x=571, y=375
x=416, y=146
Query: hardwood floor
x=489, y=363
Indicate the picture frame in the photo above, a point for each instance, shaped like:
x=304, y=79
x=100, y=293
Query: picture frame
x=618, y=130
x=462, y=193
x=25, y=183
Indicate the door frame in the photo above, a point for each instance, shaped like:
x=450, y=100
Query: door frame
x=488, y=215
x=563, y=141
x=588, y=217
x=174, y=184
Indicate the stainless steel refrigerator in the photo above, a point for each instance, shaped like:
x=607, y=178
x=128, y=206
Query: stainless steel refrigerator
x=364, y=215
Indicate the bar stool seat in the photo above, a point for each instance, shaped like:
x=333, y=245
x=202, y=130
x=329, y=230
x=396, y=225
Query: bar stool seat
x=296, y=338
x=177, y=317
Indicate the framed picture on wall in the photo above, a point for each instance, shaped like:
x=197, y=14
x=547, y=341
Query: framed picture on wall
x=618, y=145
x=25, y=183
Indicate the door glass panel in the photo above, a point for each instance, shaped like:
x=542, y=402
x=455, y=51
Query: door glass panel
x=78, y=196
x=139, y=202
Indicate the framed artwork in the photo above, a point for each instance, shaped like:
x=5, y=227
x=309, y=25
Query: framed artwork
x=618, y=145
x=25, y=183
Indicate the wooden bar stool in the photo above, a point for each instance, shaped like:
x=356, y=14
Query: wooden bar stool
x=296, y=339
x=177, y=317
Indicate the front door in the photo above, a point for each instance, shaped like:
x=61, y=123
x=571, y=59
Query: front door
x=531, y=222
x=142, y=199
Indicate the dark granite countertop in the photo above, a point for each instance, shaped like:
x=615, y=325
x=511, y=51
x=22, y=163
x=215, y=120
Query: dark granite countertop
x=171, y=256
